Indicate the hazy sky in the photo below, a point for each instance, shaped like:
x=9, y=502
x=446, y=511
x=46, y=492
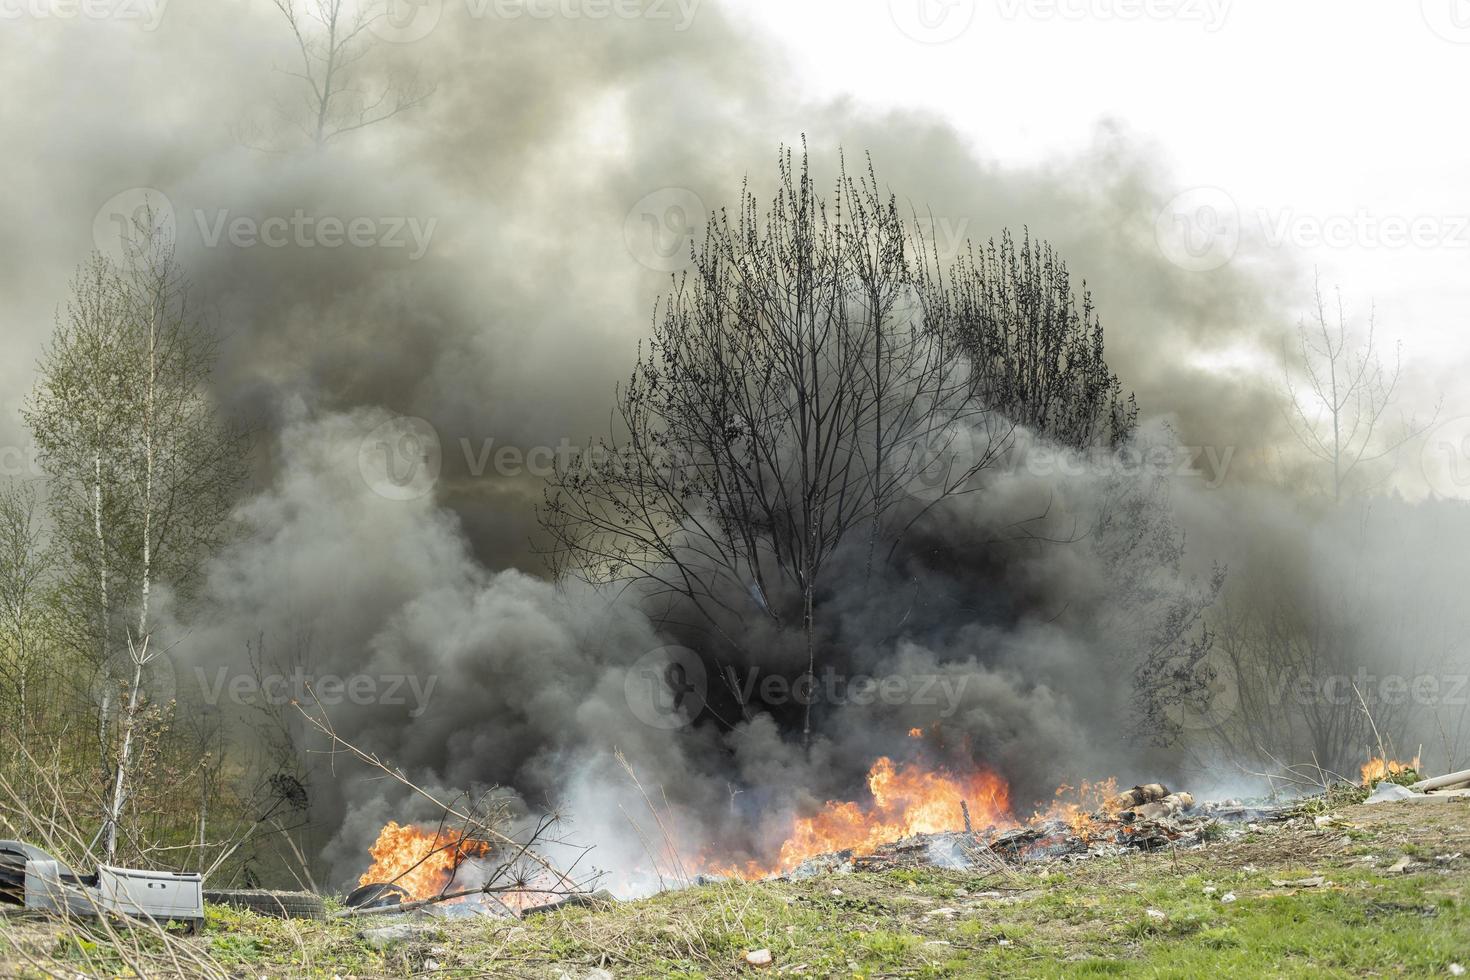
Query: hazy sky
x=1324, y=121
x=1242, y=144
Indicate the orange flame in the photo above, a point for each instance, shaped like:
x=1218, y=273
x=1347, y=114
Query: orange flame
x=1081, y=812
x=906, y=800
x=1377, y=770
x=916, y=733
x=422, y=862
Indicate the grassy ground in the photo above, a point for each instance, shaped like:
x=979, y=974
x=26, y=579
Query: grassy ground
x=1157, y=915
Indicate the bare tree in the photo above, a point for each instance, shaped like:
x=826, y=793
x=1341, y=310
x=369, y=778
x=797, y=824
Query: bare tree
x=1338, y=414
x=334, y=40
x=808, y=395
x=144, y=472
x=1037, y=356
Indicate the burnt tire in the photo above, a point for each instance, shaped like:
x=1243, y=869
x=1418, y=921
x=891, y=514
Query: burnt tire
x=281, y=905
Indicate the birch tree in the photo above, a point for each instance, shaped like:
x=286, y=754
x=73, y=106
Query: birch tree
x=77, y=416
x=144, y=471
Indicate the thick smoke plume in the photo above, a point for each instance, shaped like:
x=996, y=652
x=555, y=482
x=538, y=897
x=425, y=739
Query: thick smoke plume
x=524, y=173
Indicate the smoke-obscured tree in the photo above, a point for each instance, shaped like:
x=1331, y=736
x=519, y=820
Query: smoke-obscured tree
x=1338, y=407
x=1153, y=619
x=342, y=89
x=142, y=471
x=813, y=388
x=1347, y=631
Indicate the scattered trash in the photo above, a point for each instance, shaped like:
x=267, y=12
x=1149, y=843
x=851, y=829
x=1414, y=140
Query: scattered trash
x=1400, y=866
x=1210, y=889
x=1330, y=821
x=1002, y=942
x=1314, y=882
x=1157, y=914
x=1386, y=792
x=1456, y=970
x=33, y=878
x=758, y=957
x=1227, y=898
x=385, y=936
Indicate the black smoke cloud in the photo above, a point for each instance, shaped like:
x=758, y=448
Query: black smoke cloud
x=513, y=681
x=511, y=330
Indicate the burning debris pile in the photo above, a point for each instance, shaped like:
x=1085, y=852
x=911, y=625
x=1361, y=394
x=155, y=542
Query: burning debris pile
x=1147, y=818
x=467, y=873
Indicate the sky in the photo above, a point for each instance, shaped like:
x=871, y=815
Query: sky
x=1323, y=122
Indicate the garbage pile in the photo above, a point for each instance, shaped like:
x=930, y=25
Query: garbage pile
x=1145, y=818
